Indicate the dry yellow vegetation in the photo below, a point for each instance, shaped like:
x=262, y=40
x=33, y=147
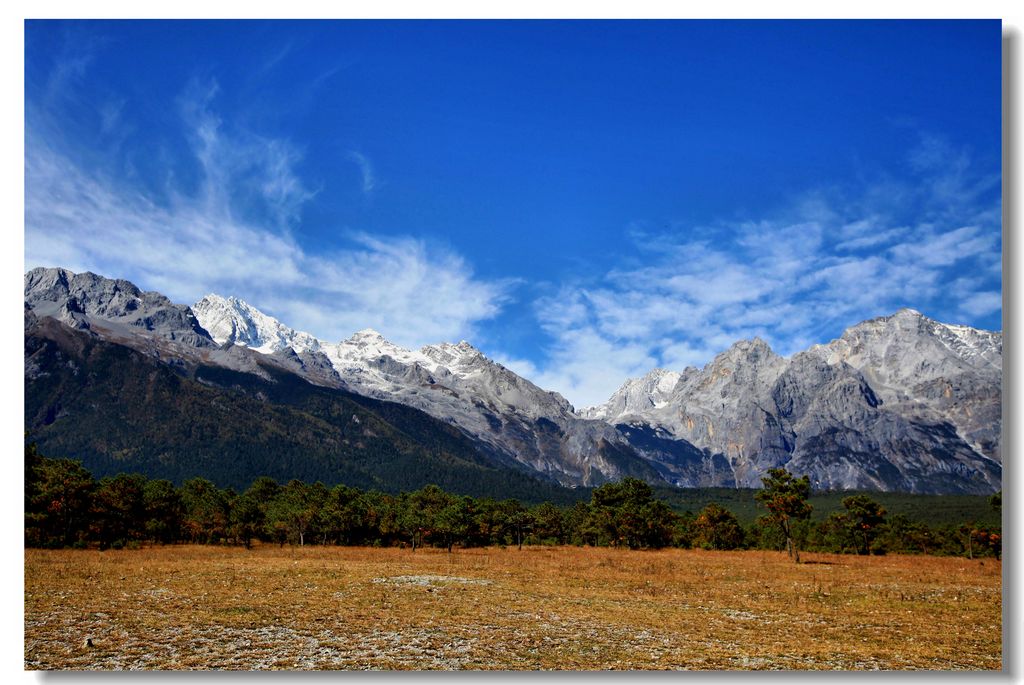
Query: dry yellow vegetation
x=539, y=608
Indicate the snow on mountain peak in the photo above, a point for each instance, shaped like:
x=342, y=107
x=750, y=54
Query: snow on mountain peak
x=368, y=335
x=650, y=391
x=451, y=353
x=231, y=320
x=365, y=354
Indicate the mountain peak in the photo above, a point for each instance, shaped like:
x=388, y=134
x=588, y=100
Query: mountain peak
x=230, y=300
x=757, y=342
x=636, y=395
x=753, y=349
x=234, y=321
x=453, y=356
x=907, y=312
x=462, y=347
x=367, y=335
x=69, y=297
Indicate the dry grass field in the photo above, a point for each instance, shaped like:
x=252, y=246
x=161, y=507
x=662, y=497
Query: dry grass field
x=550, y=608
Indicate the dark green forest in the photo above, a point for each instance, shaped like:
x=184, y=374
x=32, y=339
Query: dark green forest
x=935, y=510
x=117, y=410
x=65, y=506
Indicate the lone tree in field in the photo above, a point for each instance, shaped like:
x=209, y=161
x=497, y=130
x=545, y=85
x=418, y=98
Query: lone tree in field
x=785, y=497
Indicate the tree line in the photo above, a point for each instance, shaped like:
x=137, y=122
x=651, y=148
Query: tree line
x=65, y=506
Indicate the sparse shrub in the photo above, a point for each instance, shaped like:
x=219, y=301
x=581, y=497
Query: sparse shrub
x=717, y=528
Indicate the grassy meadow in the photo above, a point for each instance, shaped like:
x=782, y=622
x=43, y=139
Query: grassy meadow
x=207, y=607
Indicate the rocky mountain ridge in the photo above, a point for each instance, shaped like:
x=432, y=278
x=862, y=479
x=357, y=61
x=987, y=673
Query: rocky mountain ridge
x=897, y=403
x=456, y=383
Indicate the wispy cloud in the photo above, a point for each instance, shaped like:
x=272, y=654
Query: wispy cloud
x=237, y=230
x=365, y=170
x=219, y=209
x=828, y=260
x=276, y=57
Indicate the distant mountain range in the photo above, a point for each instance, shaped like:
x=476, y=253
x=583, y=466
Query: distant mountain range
x=127, y=380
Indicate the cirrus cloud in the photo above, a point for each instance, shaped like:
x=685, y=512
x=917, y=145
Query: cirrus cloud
x=233, y=232
x=827, y=261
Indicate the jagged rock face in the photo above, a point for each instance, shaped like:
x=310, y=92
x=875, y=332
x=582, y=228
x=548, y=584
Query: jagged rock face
x=457, y=383
x=312, y=365
x=721, y=408
x=79, y=299
x=930, y=371
x=899, y=403
x=677, y=461
x=510, y=416
x=652, y=391
x=232, y=321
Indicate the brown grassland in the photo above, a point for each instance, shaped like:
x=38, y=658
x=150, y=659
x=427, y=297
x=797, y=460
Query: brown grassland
x=186, y=607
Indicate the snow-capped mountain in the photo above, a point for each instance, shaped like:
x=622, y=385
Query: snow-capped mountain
x=651, y=391
x=899, y=402
x=516, y=421
x=231, y=321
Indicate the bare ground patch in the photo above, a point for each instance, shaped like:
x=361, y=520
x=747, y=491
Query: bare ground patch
x=564, y=608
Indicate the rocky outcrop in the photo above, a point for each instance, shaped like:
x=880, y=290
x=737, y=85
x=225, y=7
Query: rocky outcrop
x=897, y=403
x=76, y=299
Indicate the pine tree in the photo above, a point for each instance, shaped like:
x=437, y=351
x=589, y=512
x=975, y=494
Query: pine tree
x=785, y=497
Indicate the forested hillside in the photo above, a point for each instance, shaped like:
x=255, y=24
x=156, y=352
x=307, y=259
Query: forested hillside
x=118, y=410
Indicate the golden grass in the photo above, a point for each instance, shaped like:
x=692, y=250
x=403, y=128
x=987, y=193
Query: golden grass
x=539, y=608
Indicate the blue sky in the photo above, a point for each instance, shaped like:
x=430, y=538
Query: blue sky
x=583, y=201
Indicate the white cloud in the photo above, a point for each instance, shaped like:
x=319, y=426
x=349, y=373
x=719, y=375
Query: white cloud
x=828, y=261
x=943, y=248
x=233, y=234
x=584, y=364
x=872, y=239
x=365, y=169
x=980, y=304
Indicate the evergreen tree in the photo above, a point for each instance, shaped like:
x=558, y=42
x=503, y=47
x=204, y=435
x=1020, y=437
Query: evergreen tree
x=548, y=524
x=453, y=522
x=58, y=508
x=626, y=513
x=717, y=528
x=164, y=511
x=516, y=520
x=206, y=511
x=420, y=515
x=118, y=512
x=864, y=518
x=785, y=498
x=297, y=511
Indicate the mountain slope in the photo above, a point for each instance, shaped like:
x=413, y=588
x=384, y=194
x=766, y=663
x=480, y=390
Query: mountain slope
x=76, y=299
x=930, y=371
x=898, y=403
x=508, y=415
x=231, y=321
x=118, y=409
